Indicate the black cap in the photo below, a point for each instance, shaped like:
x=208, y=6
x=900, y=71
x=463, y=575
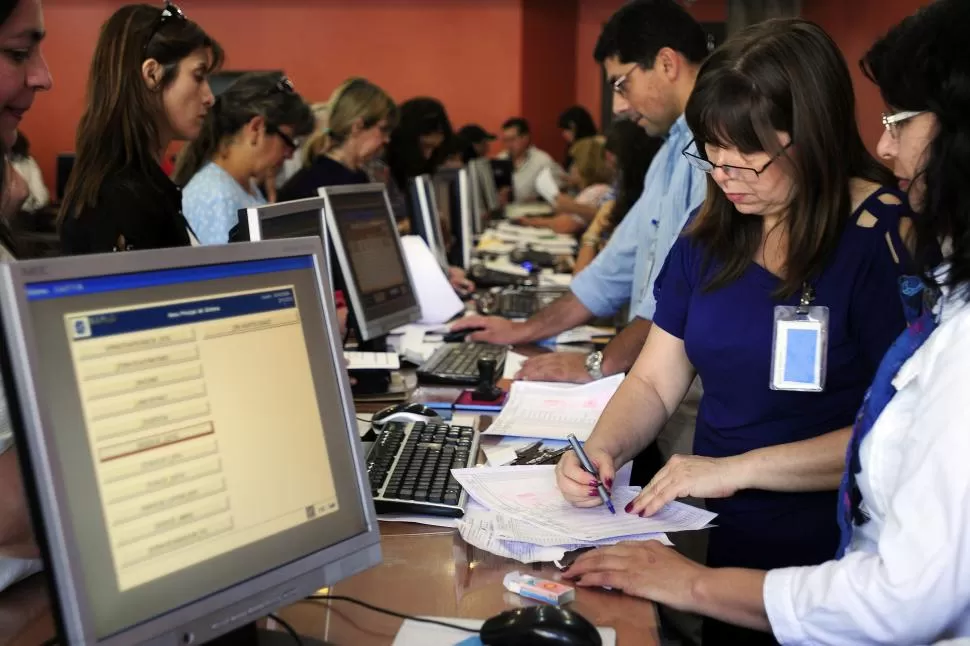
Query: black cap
x=474, y=133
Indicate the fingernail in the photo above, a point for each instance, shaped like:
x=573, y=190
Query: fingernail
x=609, y=483
x=643, y=514
x=593, y=493
x=593, y=484
x=629, y=507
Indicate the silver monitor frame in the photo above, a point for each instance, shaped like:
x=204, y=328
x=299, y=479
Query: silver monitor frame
x=486, y=182
x=459, y=179
x=368, y=329
x=477, y=197
x=255, y=215
x=217, y=613
x=430, y=217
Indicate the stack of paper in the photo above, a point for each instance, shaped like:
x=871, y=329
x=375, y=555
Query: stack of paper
x=521, y=514
x=546, y=186
x=553, y=411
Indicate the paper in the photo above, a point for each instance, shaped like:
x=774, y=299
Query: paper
x=372, y=360
x=549, y=279
x=582, y=334
x=411, y=341
x=420, y=519
x=530, y=494
x=547, y=186
x=516, y=211
x=506, y=266
x=416, y=633
x=513, y=363
x=436, y=296
x=553, y=411
x=500, y=452
x=478, y=529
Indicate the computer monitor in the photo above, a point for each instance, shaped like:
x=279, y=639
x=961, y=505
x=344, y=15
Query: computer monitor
x=427, y=216
x=63, y=168
x=453, y=188
x=187, y=436
x=486, y=183
x=293, y=219
x=368, y=252
x=502, y=171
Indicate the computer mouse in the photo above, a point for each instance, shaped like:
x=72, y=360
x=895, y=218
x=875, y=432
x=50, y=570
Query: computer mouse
x=459, y=335
x=539, y=626
x=404, y=413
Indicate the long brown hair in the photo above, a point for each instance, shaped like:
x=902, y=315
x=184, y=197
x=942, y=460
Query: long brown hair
x=120, y=125
x=355, y=99
x=782, y=75
x=263, y=94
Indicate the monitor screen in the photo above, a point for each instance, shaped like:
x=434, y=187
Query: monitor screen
x=453, y=189
x=486, y=183
x=365, y=241
x=425, y=197
x=202, y=400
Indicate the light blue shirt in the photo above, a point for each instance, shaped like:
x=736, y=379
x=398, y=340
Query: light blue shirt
x=211, y=202
x=626, y=269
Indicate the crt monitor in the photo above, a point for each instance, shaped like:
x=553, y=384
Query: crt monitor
x=368, y=252
x=187, y=436
x=427, y=217
x=453, y=189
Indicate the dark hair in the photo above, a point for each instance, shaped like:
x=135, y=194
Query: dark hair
x=579, y=121
x=6, y=233
x=21, y=147
x=521, y=125
x=120, y=125
x=417, y=117
x=6, y=9
x=634, y=150
x=261, y=94
x=782, y=75
x=640, y=29
x=922, y=65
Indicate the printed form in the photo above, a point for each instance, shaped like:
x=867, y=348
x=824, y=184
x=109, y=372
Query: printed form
x=180, y=399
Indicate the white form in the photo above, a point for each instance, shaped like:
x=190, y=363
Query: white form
x=553, y=411
x=180, y=399
x=529, y=493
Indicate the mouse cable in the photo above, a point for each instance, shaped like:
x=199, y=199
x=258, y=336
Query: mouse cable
x=399, y=615
x=288, y=628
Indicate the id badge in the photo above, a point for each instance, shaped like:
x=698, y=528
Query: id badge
x=799, y=348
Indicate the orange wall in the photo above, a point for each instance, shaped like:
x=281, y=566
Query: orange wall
x=467, y=53
x=855, y=26
x=592, y=15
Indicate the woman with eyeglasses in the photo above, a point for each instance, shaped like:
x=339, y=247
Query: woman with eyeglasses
x=360, y=118
x=903, y=569
x=148, y=87
x=247, y=134
x=782, y=295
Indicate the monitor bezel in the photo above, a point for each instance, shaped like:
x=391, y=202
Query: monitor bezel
x=486, y=183
x=458, y=178
x=220, y=612
x=429, y=219
x=368, y=329
x=255, y=215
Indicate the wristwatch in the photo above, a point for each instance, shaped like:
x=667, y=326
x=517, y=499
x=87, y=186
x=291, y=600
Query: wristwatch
x=594, y=364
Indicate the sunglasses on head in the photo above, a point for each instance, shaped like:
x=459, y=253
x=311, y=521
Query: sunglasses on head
x=168, y=13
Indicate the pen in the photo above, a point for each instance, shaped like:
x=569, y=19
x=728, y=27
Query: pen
x=590, y=469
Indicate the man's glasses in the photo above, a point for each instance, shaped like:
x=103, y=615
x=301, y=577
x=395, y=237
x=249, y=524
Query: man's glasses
x=619, y=83
x=740, y=173
x=891, y=121
x=168, y=13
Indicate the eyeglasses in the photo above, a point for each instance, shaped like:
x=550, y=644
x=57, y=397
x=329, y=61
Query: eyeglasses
x=741, y=173
x=285, y=86
x=890, y=121
x=619, y=83
x=168, y=13
x=288, y=141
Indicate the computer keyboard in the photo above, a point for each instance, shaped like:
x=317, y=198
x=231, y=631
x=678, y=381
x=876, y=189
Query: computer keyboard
x=410, y=465
x=457, y=363
x=533, y=257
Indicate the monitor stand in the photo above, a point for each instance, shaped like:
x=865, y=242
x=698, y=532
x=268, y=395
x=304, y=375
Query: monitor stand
x=252, y=635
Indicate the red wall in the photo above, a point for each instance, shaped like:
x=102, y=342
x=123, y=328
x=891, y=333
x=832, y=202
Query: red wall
x=467, y=53
x=592, y=15
x=855, y=26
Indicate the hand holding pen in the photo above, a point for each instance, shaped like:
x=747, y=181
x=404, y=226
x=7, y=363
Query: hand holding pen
x=585, y=478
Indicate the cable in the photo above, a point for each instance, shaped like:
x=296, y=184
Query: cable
x=399, y=615
x=288, y=628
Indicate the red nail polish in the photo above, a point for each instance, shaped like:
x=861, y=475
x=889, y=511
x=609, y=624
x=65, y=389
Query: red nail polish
x=593, y=493
x=629, y=507
x=609, y=483
x=593, y=484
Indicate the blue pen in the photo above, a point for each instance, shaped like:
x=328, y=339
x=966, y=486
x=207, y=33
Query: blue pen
x=590, y=469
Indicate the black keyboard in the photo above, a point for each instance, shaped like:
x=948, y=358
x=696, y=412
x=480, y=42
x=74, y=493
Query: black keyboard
x=410, y=465
x=457, y=363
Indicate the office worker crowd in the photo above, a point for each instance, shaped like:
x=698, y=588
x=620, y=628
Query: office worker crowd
x=734, y=194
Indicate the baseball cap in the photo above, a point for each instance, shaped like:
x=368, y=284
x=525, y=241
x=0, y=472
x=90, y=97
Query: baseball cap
x=474, y=133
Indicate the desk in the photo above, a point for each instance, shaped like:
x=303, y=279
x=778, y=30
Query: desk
x=425, y=571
